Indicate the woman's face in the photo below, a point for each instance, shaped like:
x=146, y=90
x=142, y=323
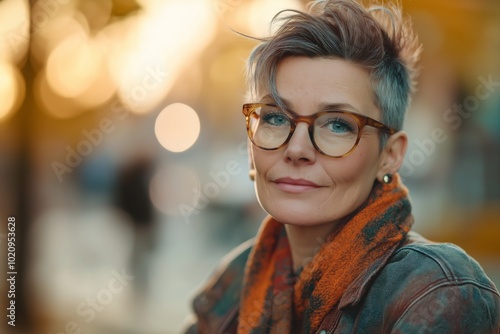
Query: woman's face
x=298, y=185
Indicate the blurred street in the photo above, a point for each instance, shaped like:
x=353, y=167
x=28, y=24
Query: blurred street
x=123, y=151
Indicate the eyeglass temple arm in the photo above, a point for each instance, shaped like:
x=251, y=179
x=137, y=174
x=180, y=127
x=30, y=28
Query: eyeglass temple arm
x=380, y=126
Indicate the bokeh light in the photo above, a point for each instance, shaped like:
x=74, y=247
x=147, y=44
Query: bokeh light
x=162, y=43
x=103, y=87
x=11, y=89
x=52, y=103
x=59, y=28
x=14, y=28
x=73, y=66
x=177, y=127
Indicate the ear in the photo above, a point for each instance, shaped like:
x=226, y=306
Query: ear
x=393, y=154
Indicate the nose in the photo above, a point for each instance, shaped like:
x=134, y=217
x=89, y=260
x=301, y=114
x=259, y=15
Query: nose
x=300, y=150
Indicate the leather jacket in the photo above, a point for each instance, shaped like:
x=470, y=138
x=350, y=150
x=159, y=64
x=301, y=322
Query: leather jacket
x=423, y=287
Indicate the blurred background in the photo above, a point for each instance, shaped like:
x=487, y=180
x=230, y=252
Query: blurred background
x=123, y=150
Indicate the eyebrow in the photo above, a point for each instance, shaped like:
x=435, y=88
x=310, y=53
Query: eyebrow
x=322, y=106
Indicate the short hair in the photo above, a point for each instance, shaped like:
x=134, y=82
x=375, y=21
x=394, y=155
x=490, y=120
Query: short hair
x=377, y=38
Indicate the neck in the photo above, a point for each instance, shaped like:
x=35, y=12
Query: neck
x=305, y=241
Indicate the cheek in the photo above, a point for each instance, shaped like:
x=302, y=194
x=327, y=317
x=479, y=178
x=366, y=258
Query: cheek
x=263, y=161
x=262, y=192
x=352, y=182
x=359, y=168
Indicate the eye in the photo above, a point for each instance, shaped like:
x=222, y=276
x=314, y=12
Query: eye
x=339, y=125
x=275, y=118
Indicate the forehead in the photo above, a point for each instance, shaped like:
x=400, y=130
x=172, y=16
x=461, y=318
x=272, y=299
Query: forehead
x=305, y=84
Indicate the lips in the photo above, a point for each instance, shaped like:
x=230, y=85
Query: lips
x=295, y=186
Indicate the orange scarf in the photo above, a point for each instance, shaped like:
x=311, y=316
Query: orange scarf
x=275, y=301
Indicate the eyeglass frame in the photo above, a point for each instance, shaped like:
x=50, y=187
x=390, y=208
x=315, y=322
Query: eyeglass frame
x=361, y=120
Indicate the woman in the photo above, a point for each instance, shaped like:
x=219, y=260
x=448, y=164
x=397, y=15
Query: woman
x=336, y=254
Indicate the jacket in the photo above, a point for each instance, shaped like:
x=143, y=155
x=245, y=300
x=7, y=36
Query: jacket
x=423, y=287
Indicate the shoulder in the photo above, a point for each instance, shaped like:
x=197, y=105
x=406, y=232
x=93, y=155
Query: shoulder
x=419, y=257
x=437, y=286
x=217, y=301
x=228, y=274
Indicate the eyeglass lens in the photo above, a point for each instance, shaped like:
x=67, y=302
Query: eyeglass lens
x=335, y=133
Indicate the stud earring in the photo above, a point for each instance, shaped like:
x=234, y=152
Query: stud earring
x=251, y=174
x=387, y=178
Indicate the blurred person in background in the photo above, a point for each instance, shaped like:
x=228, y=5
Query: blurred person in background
x=329, y=91
x=132, y=197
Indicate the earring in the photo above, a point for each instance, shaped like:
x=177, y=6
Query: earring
x=387, y=178
x=251, y=174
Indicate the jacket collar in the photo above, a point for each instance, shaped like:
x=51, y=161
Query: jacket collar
x=358, y=288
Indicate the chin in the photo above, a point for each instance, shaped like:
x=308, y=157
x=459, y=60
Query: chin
x=296, y=215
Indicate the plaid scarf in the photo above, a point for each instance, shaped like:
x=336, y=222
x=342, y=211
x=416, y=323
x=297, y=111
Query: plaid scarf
x=275, y=301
